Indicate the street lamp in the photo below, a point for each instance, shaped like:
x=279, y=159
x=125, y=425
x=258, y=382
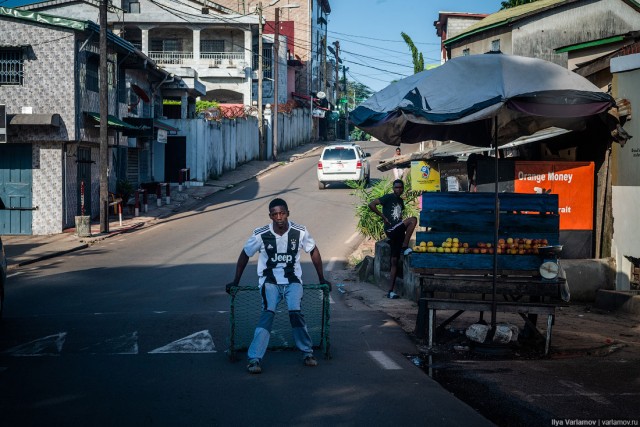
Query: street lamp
x=276, y=76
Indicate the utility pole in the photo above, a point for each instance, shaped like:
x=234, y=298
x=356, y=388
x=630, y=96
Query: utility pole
x=337, y=86
x=276, y=78
x=346, y=105
x=261, y=147
x=104, y=120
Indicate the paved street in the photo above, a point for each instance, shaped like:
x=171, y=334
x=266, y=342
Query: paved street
x=133, y=329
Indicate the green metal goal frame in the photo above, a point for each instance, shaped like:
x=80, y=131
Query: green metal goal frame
x=319, y=317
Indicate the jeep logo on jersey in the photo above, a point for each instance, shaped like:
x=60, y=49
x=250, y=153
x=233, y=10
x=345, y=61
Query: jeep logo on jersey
x=288, y=258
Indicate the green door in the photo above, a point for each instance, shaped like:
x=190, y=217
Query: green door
x=16, y=208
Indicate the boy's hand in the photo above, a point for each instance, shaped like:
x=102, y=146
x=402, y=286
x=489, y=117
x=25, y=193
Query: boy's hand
x=326, y=282
x=228, y=287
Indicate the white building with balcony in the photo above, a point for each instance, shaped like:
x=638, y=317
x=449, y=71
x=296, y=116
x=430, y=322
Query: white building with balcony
x=208, y=44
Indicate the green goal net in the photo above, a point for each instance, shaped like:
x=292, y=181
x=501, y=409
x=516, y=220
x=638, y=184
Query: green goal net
x=246, y=306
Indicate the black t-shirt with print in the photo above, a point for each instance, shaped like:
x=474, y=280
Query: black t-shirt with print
x=392, y=208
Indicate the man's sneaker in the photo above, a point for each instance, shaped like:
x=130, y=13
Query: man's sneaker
x=254, y=366
x=392, y=295
x=407, y=251
x=310, y=361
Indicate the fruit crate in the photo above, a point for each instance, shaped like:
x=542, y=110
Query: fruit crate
x=470, y=218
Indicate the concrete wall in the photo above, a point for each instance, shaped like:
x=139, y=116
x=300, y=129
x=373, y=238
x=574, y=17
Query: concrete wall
x=625, y=174
x=538, y=35
x=214, y=147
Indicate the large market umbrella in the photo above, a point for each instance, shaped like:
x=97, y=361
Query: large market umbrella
x=482, y=100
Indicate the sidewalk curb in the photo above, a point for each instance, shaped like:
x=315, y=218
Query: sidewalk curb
x=11, y=267
x=149, y=221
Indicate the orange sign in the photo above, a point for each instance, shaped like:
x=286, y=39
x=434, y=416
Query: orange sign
x=571, y=181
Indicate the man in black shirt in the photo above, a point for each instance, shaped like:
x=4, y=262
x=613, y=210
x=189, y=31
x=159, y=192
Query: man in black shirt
x=398, y=231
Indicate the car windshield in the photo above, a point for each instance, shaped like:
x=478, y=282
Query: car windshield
x=339, y=154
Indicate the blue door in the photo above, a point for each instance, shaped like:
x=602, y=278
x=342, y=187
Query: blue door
x=16, y=206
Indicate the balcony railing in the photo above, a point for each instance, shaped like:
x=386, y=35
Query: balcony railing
x=222, y=59
x=207, y=59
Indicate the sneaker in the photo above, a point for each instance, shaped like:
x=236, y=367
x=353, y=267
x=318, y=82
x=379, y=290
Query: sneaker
x=254, y=366
x=392, y=295
x=310, y=361
x=407, y=251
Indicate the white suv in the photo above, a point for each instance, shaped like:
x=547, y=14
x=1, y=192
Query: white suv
x=343, y=162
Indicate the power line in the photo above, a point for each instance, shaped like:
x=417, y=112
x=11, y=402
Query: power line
x=376, y=59
x=379, y=69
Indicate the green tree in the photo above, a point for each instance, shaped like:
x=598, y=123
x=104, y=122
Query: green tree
x=417, y=57
x=514, y=3
x=356, y=93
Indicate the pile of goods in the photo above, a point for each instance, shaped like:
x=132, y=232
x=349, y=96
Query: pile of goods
x=510, y=246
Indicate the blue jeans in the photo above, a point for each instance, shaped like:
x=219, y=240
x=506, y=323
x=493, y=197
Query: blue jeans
x=271, y=297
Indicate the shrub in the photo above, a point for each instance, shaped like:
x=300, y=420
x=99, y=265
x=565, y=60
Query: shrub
x=369, y=224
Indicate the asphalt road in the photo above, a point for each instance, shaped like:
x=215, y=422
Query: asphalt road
x=133, y=330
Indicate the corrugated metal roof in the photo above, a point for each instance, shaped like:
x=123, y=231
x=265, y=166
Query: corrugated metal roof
x=457, y=149
x=590, y=43
x=59, y=21
x=43, y=18
x=506, y=16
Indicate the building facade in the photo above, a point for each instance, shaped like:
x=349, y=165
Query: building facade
x=49, y=162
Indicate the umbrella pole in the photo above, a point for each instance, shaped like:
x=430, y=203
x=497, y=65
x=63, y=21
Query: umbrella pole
x=494, y=303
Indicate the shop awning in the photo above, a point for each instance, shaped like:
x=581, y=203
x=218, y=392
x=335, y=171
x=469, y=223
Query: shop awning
x=307, y=98
x=166, y=126
x=454, y=149
x=112, y=122
x=459, y=149
x=34, y=119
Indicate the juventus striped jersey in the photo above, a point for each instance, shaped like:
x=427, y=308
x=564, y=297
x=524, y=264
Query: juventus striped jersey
x=279, y=259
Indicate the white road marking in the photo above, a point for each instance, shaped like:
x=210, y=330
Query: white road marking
x=237, y=189
x=384, y=360
x=200, y=342
x=331, y=264
x=580, y=390
x=124, y=344
x=14, y=274
x=353, y=236
x=47, y=346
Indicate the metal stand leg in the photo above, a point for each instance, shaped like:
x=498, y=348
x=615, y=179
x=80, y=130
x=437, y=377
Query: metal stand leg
x=431, y=326
x=549, y=325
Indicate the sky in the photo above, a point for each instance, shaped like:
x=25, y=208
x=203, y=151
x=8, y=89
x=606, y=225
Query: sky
x=369, y=34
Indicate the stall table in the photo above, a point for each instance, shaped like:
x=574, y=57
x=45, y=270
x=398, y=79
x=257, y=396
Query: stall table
x=468, y=278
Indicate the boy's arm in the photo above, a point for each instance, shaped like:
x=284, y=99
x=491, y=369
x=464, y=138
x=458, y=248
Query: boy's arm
x=243, y=259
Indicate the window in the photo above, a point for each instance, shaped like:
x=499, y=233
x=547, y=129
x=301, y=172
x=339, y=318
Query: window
x=93, y=65
x=93, y=74
x=166, y=45
x=11, y=67
x=495, y=45
x=122, y=86
x=466, y=52
x=211, y=46
x=267, y=56
x=111, y=74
